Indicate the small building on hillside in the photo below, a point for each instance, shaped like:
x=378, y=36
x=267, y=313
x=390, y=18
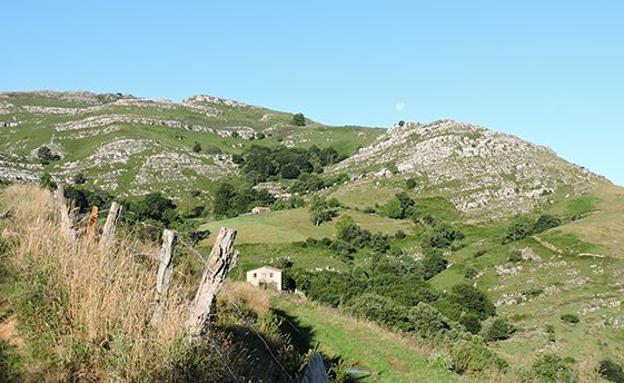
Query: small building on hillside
x=265, y=276
x=260, y=210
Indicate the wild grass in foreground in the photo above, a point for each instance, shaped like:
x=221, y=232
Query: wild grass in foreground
x=84, y=312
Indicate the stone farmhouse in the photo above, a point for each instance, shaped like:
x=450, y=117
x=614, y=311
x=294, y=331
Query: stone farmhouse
x=265, y=276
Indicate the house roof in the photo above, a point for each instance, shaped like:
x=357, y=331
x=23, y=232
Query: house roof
x=271, y=268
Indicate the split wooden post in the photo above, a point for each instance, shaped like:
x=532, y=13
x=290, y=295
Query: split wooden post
x=315, y=370
x=221, y=259
x=92, y=225
x=108, y=232
x=165, y=269
x=66, y=221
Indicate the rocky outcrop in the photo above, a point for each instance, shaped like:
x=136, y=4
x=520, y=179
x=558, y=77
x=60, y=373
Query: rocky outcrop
x=480, y=170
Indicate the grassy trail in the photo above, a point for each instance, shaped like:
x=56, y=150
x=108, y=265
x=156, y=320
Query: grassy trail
x=388, y=356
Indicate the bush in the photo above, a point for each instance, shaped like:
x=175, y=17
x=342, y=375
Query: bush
x=410, y=183
x=400, y=234
x=473, y=300
x=47, y=182
x=197, y=147
x=401, y=206
x=441, y=236
x=299, y=119
x=433, y=264
x=611, y=371
x=570, y=318
x=545, y=222
x=552, y=369
x=230, y=201
x=498, y=329
x=379, y=309
x=480, y=253
x=517, y=231
x=45, y=155
x=471, y=322
x=470, y=272
x=472, y=356
x=442, y=362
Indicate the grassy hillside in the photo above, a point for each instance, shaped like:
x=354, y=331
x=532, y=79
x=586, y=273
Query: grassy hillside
x=132, y=146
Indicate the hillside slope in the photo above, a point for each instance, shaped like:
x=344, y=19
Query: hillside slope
x=481, y=171
x=132, y=146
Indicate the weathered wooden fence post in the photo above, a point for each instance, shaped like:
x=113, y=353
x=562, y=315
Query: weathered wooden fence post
x=165, y=269
x=92, y=224
x=315, y=370
x=66, y=221
x=108, y=232
x=221, y=258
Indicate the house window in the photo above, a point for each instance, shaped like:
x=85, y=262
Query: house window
x=255, y=275
x=271, y=275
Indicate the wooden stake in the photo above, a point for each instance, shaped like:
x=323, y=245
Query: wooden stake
x=165, y=269
x=66, y=221
x=108, y=232
x=92, y=225
x=221, y=259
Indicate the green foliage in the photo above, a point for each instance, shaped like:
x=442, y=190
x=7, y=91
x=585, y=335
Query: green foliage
x=47, y=182
x=410, y=183
x=45, y=155
x=518, y=230
x=151, y=209
x=9, y=364
x=471, y=322
x=545, y=222
x=523, y=228
x=442, y=361
x=570, y=318
x=231, y=201
x=298, y=119
x=197, y=147
x=473, y=300
x=433, y=264
x=399, y=207
x=379, y=309
x=321, y=210
x=292, y=202
x=470, y=272
x=611, y=371
x=83, y=198
x=471, y=356
x=515, y=255
x=400, y=234
x=441, y=236
x=550, y=368
x=497, y=329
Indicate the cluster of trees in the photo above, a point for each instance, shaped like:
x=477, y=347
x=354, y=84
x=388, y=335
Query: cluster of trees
x=523, y=228
x=231, y=200
x=262, y=163
x=299, y=119
x=310, y=182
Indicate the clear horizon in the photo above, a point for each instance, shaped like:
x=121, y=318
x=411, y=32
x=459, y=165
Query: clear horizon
x=548, y=73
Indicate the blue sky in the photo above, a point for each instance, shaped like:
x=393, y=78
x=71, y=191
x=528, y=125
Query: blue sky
x=551, y=72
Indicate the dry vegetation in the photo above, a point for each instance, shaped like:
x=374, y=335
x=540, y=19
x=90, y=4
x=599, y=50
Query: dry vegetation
x=84, y=312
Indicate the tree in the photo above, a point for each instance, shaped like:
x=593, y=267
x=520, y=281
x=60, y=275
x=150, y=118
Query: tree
x=299, y=119
x=290, y=171
x=320, y=210
x=473, y=300
x=498, y=329
x=197, y=147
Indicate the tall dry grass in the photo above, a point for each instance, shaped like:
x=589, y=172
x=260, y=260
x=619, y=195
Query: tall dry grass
x=105, y=295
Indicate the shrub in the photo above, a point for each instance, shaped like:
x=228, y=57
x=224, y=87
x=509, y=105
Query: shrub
x=441, y=236
x=428, y=322
x=47, y=182
x=474, y=300
x=400, y=234
x=441, y=361
x=471, y=322
x=570, y=318
x=433, y=264
x=472, y=356
x=197, y=147
x=498, y=329
x=410, y=183
x=611, y=371
x=517, y=231
x=299, y=119
x=545, y=222
x=480, y=253
x=470, y=272
x=551, y=369
x=380, y=309
x=45, y=155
